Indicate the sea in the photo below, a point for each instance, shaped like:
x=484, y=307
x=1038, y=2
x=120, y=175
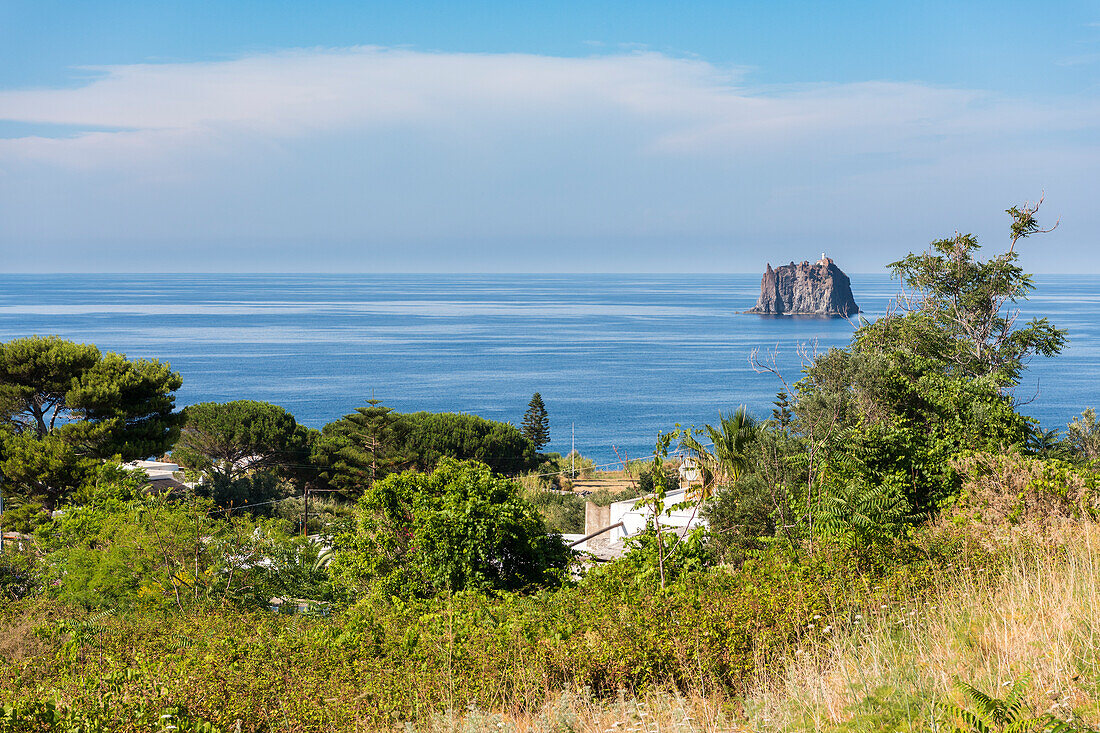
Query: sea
x=616, y=358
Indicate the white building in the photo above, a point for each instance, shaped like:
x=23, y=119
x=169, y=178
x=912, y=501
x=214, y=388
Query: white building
x=606, y=528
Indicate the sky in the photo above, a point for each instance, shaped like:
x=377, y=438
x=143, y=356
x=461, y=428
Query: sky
x=271, y=136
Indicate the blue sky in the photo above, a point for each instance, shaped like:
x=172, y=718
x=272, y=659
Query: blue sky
x=522, y=136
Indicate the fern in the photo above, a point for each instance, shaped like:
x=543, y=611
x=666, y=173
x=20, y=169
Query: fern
x=1005, y=715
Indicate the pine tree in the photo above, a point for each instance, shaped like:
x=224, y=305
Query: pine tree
x=536, y=424
x=363, y=447
x=782, y=413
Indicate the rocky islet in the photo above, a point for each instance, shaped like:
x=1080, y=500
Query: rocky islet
x=820, y=289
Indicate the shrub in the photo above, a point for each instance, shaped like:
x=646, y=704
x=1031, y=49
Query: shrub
x=738, y=516
x=561, y=512
x=457, y=527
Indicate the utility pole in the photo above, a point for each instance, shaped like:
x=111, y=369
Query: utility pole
x=305, y=515
x=573, y=450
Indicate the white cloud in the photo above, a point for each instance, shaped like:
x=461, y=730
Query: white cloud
x=374, y=144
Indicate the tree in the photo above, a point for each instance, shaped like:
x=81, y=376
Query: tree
x=1083, y=435
x=41, y=469
x=125, y=408
x=536, y=423
x=732, y=442
x=960, y=311
x=458, y=527
x=36, y=376
x=225, y=441
x=730, y=456
x=243, y=451
x=431, y=436
x=65, y=405
x=782, y=414
x=361, y=448
x=365, y=446
x=102, y=404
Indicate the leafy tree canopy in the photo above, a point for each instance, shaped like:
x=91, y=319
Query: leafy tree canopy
x=432, y=436
x=455, y=528
x=65, y=405
x=374, y=441
x=36, y=376
x=960, y=308
x=361, y=448
x=227, y=440
x=101, y=404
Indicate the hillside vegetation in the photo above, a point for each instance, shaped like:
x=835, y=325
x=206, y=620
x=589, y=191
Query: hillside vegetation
x=896, y=548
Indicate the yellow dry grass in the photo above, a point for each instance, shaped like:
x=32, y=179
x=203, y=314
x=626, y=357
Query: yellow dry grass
x=1039, y=618
x=894, y=669
x=579, y=713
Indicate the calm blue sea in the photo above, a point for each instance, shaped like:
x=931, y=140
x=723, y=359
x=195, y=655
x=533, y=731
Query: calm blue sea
x=618, y=356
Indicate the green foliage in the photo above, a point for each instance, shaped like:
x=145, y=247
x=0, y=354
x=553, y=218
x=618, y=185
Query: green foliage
x=606, y=497
x=125, y=699
x=560, y=511
x=135, y=553
x=574, y=465
x=361, y=448
x=782, y=414
x=66, y=405
x=730, y=455
x=433, y=436
x=374, y=441
x=900, y=418
x=1009, y=488
x=536, y=423
x=1048, y=443
x=385, y=662
x=676, y=554
x=48, y=467
x=24, y=518
x=862, y=515
x=1083, y=435
x=1010, y=714
x=665, y=553
x=960, y=313
x=123, y=407
x=226, y=441
x=122, y=549
x=19, y=576
x=455, y=528
x=36, y=376
x=738, y=517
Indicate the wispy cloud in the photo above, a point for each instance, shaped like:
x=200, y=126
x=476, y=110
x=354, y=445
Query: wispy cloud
x=1079, y=59
x=378, y=142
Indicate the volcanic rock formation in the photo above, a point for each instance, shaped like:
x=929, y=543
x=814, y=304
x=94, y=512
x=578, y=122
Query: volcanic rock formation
x=820, y=289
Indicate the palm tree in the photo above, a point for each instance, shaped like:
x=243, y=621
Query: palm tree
x=731, y=443
x=729, y=459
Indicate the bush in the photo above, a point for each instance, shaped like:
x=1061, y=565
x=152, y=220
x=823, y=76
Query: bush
x=24, y=518
x=738, y=516
x=19, y=576
x=387, y=661
x=562, y=512
x=457, y=527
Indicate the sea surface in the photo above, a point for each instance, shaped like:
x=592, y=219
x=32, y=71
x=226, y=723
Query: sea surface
x=617, y=358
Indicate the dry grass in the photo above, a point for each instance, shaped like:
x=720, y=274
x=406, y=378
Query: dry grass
x=1041, y=617
x=579, y=713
